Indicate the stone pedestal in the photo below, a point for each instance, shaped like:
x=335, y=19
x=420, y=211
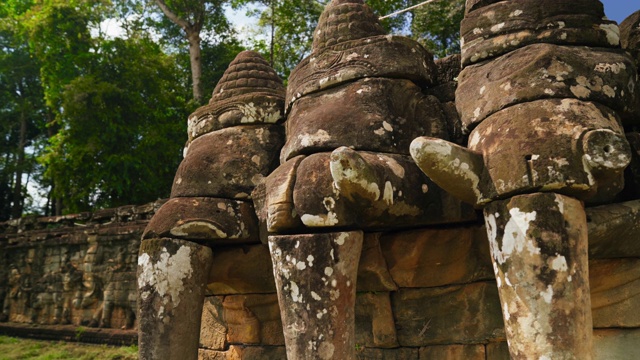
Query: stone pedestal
x=316, y=282
x=539, y=252
x=172, y=277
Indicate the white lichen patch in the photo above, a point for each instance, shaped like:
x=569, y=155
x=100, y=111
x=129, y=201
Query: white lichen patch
x=559, y=263
x=515, y=237
x=198, y=228
x=319, y=137
x=341, y=239
x=516, y=13
x=315, y=296
x=610, y=67
x=387, y=195
x=328, y=271
x=330, y=219
x=547, y=295
x=613, y=33
x=295, y=292
x=497, y=27
x=167, y=276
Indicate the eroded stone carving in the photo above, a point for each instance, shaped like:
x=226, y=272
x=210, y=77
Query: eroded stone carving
x=545, y=135
x=353, y=107
x=233, y=144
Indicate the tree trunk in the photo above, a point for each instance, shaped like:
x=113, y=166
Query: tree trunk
x=273, y=30
x=18, y=201
x=196, y=64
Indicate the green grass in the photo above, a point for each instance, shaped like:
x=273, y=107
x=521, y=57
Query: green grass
x=14, y=348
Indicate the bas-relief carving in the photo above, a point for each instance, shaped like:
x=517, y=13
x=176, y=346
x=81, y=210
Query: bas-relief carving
x=75, y=284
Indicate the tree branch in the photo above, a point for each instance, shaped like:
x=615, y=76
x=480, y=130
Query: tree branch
x=172, y=16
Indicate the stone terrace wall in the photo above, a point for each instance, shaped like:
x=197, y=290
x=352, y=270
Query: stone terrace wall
x=422, y=294
x=426, y=294
x=75, y=270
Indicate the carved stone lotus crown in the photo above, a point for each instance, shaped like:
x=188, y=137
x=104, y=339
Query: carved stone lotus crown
x=250, y=92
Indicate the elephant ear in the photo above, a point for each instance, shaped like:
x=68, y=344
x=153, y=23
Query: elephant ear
x=456, y=169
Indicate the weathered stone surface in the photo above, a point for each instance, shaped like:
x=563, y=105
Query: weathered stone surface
x=213, y=329
x=375, y=326
x=316, y=280
x=457, y=133
x=212, y=220
x=445, y=92
x=505, y=26
x=228, y=163
x=615, y=292
x=250, y=92
x=461, y=314
x=387, y=354
x=630, y=35
x=573, y=159
x=448, y=68
x=472, y=5
x=539, y=250
x=498, y=351
x=460, y=171
x=453, y=352
x=245, y=353
x=172, y=276
x=274, y=199
x=387, y=113
x=632, y=173
x=614, y=230
x=371, y=191
x=373, y=274
x=253, y=319
x=437, y=257
x=246, y=270
x=616, y=344
x=546, y=71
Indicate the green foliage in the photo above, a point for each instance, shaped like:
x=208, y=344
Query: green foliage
x=123, y=129
x=437, y=26
x=22, y=122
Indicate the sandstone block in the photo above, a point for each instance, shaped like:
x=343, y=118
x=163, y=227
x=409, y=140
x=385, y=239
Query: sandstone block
x=542, y=71
x=316, y=279
x=570, y=160
x=245, y=270
x=498, y=351
x=616, y=344
x=371, y=191
x=613, y=230
x=448, y=68
x=213, y=329
x=253, y=319
x=453, y=352
x=373, y=274
x=228, y=163
x=375, y=326
x=274, y=198
x=630, y=35
x=615, y=292
x=632, y=174
x=387, y=113
x=236, y=352
x=387, y=354
x=504, y=26
x=438, y=257
x=384, y=56
x=218, y=221
x=460, y=314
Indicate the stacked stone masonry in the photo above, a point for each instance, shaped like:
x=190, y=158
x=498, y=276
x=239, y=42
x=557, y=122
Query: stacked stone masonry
x=339, y=218
x=422, y=294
